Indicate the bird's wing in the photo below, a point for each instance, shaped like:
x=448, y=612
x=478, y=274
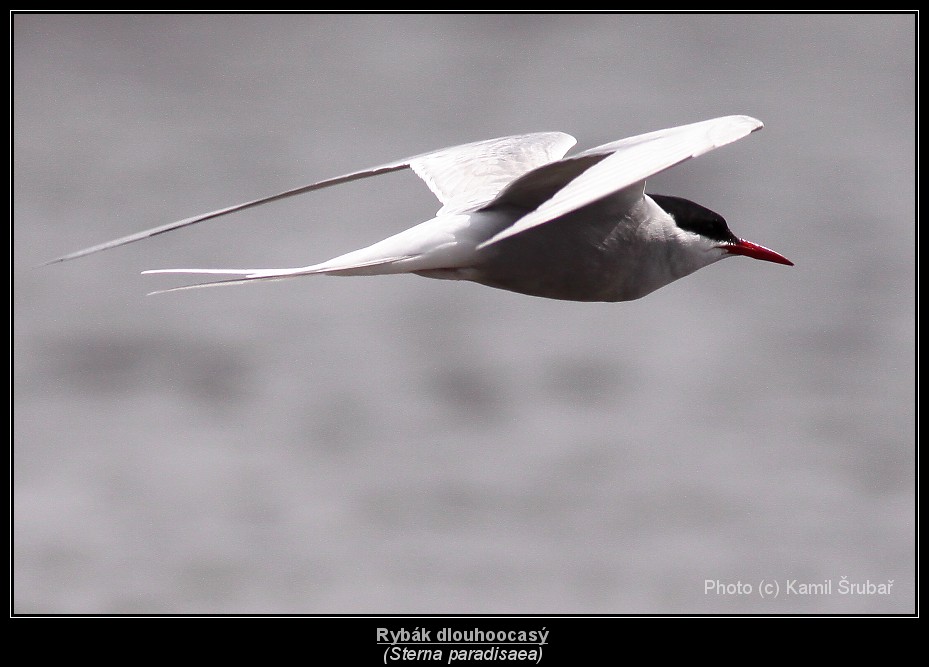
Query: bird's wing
x=462, y=177
x=466, y=177
x=602, y=171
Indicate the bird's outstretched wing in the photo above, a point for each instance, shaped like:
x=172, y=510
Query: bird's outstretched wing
x=579, y=180
x=462, y=177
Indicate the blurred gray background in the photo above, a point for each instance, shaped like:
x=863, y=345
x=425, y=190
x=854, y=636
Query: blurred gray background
x=404, y=445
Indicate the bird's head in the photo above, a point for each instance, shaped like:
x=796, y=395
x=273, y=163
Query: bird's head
x=713, y=234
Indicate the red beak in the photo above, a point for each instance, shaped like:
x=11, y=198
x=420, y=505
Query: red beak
x=756, y=251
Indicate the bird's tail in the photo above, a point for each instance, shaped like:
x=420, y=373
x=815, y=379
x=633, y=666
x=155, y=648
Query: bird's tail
x=373, y=267
x=441, y=243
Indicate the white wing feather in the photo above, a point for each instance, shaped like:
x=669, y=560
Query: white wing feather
x=461, y=177
x=464, y=178
x=629, y=162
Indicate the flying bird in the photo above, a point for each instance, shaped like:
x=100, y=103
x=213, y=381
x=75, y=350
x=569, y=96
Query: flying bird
x=518, y=215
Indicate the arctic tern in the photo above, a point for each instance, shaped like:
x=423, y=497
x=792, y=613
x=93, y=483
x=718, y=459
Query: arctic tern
x=518, y=215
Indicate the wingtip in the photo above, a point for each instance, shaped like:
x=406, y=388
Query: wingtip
x=98, y=248
x=741, y=123
x=752, y=121
x=66, y=258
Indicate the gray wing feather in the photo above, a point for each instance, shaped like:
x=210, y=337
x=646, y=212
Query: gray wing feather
x=138, y=236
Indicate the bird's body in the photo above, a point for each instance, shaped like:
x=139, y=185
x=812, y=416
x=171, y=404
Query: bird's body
x=606, y=252
x=519, y=216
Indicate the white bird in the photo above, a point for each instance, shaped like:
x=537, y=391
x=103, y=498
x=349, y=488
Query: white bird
x=518, y=215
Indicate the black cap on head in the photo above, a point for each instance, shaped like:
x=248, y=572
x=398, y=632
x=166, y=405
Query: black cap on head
x=695, y=218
